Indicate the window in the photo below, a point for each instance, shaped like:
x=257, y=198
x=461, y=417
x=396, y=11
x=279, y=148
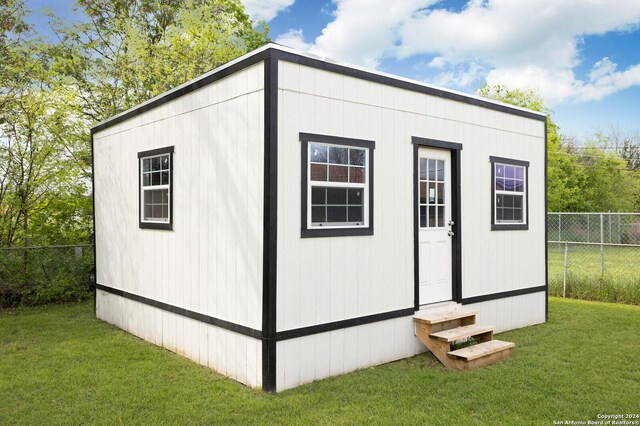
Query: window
x=509, y=194
x=156, y=175
x=337, y=186
x=432, y=188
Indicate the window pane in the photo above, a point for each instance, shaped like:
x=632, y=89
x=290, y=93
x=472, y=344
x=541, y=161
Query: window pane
x=520, y=173
x=519, y=186
x=318, y=153
x=155, y=163
x=356, y=174
x=318, y=172
x=336, y=196
x=432, y=169
x=338, y=173
x=356, y=157
x=499, y=170
x=338, y=155
x=147, y=212
x=432, y=193
x=155, y=178
x=318, y=195
x=517, y=201
x=500, y=184
x=336, y=213
x=441, y=217
x=355, y=214
x=318, y=214
x=147, y=197
x=156, y=196
x=146, y=180
x=499, y=202
x=507, y=214
x=509, y=172
x=440, y=193
x=432, y=217
x=165, y=162
x=165, y=211
x=423, y=169
x=499, y=214
x=517, y=214
x=423, y=216
x=355, y=196
x=440, y=174
x=508, y=201
x=165, y=178
x=146, y=165
x=423, y=192
x=156, y=211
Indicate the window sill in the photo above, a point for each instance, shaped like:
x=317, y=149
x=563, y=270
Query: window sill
x=152, y=225
x=510, y=227
x=335, y=232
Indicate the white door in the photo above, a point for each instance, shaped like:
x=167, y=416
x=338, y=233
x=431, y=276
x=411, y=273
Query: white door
x=434, y=226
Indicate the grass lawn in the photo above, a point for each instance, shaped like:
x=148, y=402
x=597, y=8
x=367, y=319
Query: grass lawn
x=59, y=364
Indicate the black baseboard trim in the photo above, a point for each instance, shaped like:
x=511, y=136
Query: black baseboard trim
x=338, y=325
x=503, y=295
x=207, y=319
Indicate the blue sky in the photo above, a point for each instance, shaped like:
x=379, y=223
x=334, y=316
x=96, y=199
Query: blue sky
x=582, y=56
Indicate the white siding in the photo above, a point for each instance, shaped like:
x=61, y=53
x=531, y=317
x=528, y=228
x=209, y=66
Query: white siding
x=318, y=356
x=231, y=354
x=211, y=262
x=330, y=279
x=511, y=312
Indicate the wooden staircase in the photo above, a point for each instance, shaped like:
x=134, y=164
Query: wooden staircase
x=439, y=329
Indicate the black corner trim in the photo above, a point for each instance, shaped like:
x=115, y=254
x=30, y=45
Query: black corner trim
x=546, y=225
x=270, y=223
x=402, y=84
x=435, y=143
x=503, y=295
x=155, y=225
x=456, y=215
x=509, y=226
x=338, y=325
x=305, y=232
x=93, y=204
x=227, y=325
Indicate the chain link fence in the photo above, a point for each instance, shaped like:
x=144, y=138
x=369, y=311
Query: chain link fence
x=46, y=274
x=595, y=256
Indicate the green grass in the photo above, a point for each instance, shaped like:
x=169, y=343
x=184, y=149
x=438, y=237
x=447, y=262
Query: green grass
x=59, y=365
x=620, y=282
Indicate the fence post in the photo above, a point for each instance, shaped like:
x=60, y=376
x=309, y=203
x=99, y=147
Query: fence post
x=564, y=280
x=601, y=245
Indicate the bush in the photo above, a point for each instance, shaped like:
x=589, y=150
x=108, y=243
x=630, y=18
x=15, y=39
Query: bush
x=45, y=275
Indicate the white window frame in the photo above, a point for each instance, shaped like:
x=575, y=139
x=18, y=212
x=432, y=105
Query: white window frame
x=149, y=155
x=328, y=184
x=510, y=224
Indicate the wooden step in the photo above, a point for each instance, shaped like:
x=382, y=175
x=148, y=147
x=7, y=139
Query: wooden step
x=458, y=333
x=481, y=350
x=444, y=316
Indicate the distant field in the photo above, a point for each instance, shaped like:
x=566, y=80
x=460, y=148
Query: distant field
x=620, y=282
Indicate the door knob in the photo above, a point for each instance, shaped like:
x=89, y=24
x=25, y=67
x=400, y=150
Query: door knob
x=451, y=223
x=451, y=233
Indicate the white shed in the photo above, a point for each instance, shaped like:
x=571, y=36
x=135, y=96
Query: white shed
x=282, y=218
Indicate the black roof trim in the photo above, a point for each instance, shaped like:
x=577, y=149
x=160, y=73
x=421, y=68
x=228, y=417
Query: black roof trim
x=274, y=51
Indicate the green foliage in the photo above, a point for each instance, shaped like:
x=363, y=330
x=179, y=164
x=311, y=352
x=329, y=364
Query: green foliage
x=61, y=365
x=593, y=179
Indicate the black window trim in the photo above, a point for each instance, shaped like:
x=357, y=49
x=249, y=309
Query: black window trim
x=305, y=138
x=509, y=226
x=151, y=153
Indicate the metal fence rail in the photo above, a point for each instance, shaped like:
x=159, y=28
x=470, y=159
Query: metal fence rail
x=594, y=252
x=45, y=274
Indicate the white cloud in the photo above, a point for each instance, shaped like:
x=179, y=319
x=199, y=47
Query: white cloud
x=524, y=43
x=293, y=38
x=265, y=9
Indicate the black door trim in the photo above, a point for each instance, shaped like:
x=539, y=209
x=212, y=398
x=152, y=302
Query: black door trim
x=456, y=242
